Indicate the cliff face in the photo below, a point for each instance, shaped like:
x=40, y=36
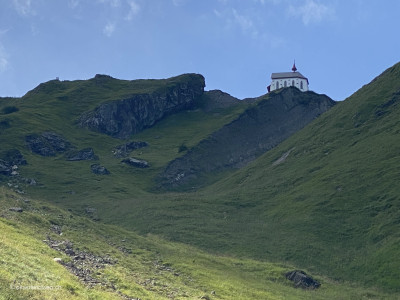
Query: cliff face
x=260, y=128
x=122, y=118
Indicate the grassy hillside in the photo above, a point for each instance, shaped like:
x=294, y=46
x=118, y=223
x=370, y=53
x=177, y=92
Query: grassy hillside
x=332, y=206
x=55, y=106
x=142, y=267
x=326, y=200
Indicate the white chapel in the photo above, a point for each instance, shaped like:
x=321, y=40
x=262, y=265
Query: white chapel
x=286, y=79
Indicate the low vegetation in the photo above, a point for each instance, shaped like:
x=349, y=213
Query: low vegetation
x=145, y=267
x=326, y=201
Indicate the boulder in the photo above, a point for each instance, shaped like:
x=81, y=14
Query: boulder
x=302, y=280
x=47, y=143
x=99, y=169
x=84, y=154
x=16, y=209
x=125, y=149
x=139, y=163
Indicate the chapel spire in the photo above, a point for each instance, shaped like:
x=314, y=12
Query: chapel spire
x=294, y=69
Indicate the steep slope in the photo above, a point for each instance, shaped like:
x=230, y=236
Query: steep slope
x=125, y=117
x=97, y=261
x=44, y=130
x=268, y=122
x=326, y=199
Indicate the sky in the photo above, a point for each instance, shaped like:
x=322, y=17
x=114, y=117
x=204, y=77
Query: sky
x=339, y=45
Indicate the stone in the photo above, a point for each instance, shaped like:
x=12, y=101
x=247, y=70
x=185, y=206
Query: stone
x=5, y=168
x=56, y=229
x=13, y=157
x=90, y=210
x=302, y=280
x=125, y=149
x=99, y=170
x=16, y=209
x=136, y=162
x=47, y=143
x=84, y=154
x=57, y=259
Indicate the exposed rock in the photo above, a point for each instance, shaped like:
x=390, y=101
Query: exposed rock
x=83, y=264
x=302, y=280
x=99, y=169
x=125, y=149
x=216, y=99
x=260, y=128
x=84, y=154
x=5, y=168
x=9, y=162
x=13, y=157
x=139, y=163
x=31, y=181
x=122, y=118
x=47, y=143
x=282, y=158
x=90, y=210
x=16, y=209
x=56, y=229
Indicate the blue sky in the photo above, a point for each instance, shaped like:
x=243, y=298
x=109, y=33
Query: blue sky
x=339, y=45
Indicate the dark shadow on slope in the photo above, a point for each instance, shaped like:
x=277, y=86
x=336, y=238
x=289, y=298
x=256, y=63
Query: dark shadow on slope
x=268, y=122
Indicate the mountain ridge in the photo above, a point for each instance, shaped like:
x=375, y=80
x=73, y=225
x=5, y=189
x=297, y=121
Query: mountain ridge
x=261, y=127
x=324, y=200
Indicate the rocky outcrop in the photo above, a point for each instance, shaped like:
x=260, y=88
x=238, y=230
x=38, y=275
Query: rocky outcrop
x=99, y=169
x=138, y=163
x=261, y=127
x=5, y=168
x=122, y=118
x=14, y=157
x=10, y=160
x=217, y=99
x=83, y=264
x=302, y=280
x=125, y=149
x=84, y=154
x=47, y=143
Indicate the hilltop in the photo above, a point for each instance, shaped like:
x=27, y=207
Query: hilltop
x=309, y=184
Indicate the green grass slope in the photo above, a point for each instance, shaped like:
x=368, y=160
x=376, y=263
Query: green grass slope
x=143, y=267
x=56, y=106
x=327, y=199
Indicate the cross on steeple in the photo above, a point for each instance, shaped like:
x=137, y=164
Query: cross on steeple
x=294, y=69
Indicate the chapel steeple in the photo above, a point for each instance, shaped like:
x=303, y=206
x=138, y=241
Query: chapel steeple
x=294, y=69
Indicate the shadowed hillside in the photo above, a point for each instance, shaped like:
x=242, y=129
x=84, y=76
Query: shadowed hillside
x=324, y=200
x=260, y=128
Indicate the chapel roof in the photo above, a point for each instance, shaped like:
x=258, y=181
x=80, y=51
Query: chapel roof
x=285, y=75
